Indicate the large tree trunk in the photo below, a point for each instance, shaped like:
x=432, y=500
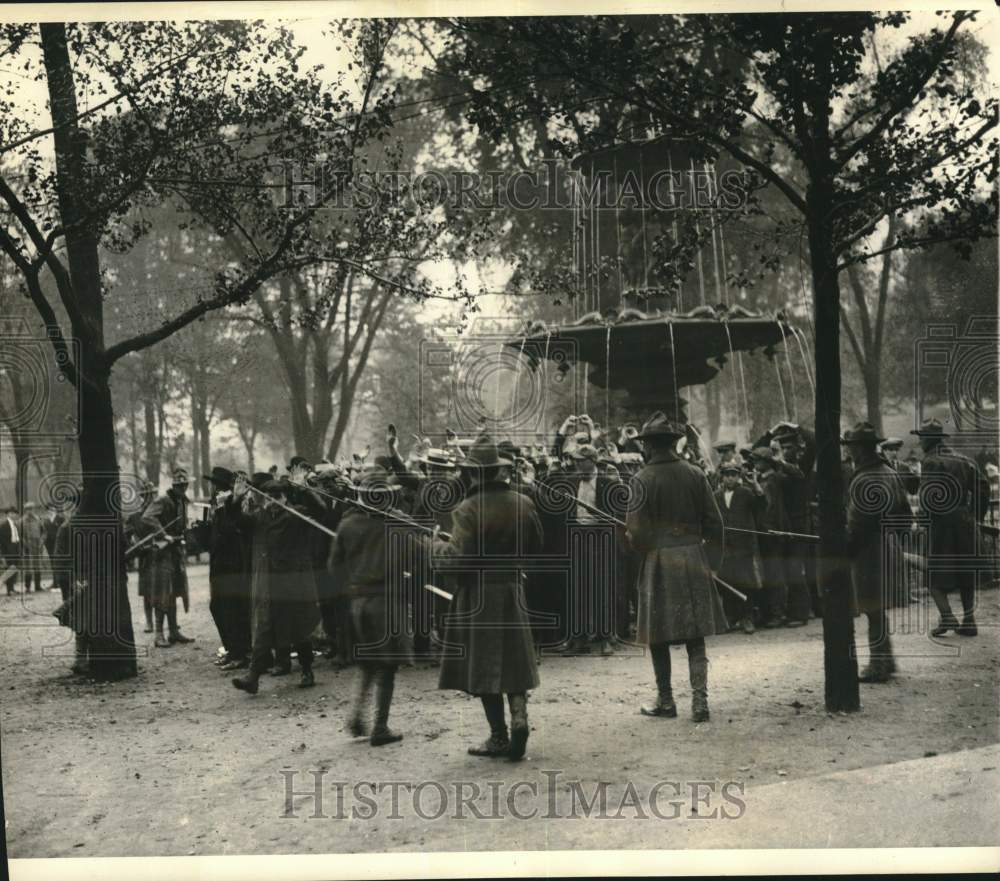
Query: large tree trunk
x=839, y=661
x=97, y=537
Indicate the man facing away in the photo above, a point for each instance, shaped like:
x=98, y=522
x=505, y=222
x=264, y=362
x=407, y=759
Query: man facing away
x=954, y=494
x=488, y=649
x=377, y=611
x=672, y=515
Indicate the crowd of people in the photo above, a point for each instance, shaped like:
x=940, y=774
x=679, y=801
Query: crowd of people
x=483, y=557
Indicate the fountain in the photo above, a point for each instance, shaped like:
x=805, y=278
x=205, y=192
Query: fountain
x=649, y=341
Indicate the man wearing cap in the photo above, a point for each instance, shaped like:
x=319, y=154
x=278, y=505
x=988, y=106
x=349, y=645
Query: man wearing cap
x=742, y=507
x=672, y=521
x=954, y=493
x=135, y=530
x=169, y=573
x=876, y=502
x=889, y=451
x=488, y=649
x=284, y=611
x=377, y=608
x=228, y=575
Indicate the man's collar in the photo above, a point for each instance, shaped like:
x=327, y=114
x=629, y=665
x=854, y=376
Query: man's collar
x=663, y=456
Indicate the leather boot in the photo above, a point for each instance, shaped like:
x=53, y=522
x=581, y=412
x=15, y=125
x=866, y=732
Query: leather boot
x=498, y=743
x=518, y=725
x=664, y=705
x=249, y=683
x=968, y=626
x=698, y=674
x=381, y=733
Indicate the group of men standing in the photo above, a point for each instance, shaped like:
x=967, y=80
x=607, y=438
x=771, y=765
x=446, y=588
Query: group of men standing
x=314, y=546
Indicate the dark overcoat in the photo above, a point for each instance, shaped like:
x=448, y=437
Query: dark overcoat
x=672, y=515
x=282, y=581
x=488, y=647
x=953, y=492
x=877, y=507
x=741, y=561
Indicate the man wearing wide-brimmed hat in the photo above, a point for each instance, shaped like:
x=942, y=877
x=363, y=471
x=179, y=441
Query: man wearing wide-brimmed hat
x=169, y=564
x=228, y=572
x=488, y=649
x=376, y=606
x=955, y=495
x=876, y=505
x=672, y=515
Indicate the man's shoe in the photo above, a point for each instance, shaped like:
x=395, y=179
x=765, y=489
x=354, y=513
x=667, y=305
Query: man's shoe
x=747, y=626
x=249, y=684
x=147, y=629
x=236, y=664
x=798, y=623
x=700, y=714
x=384, y=736
x=281, y=670
x=180, y=638
x=160, y=642
x=661, y=710
x=944, y=626
x=357, y=726
x=967, y=627
x=493, y=746
x=307, y=680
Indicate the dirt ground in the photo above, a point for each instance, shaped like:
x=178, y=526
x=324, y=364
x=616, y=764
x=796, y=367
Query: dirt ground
x=178, y=762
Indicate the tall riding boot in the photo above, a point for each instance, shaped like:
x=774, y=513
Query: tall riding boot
x=968, y=594
x=698, y=673
x=881, y=665
x=664, y=705
x=81, y=663
x=161, y=641
x=147, y=608
x=175, y=631
x=384, y=686
x=357, y=725
x=498, y=743
x=518, y=725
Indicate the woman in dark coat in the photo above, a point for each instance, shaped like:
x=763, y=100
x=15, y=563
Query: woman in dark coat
x=284, y=612
x=488, y=649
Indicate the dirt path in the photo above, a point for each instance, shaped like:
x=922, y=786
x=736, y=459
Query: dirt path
x=178, y=762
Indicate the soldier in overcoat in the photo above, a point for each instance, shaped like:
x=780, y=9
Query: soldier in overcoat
x=955, y=494
x=168, y=582
x=672, y=514
x=488, y=649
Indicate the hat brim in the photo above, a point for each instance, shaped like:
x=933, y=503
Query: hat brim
x=648, y=435
x=862, y=440
x=919, y=433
